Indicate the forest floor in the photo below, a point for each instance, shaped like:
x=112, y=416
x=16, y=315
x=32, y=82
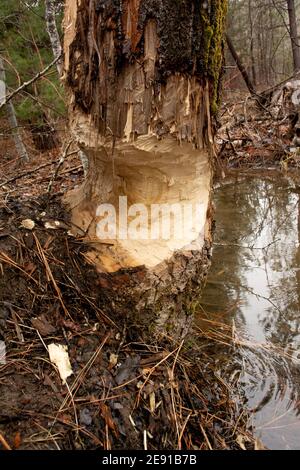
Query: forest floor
x=255, y=136
x=123, y=394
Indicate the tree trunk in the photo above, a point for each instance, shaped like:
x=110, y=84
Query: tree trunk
x=240, y=65
x=12, y=119
x=53, y=33
x=252, y=55
x=294, y=34
x=143, y=78
x=57, y=52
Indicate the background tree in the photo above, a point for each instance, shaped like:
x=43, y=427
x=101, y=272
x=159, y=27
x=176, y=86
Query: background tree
x=27, y=49
x=261, y=33
x=51, y=9
x=12, y=119
x=294, y=34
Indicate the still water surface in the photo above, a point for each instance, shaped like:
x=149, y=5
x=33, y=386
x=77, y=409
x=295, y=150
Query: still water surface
x=254, y=287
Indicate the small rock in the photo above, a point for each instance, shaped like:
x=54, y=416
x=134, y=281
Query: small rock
x=85, y=417
x=117, y=406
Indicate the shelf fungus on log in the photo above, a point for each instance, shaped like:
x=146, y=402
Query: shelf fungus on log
x=143, y=79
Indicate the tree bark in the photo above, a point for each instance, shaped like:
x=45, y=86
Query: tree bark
x=53, y=34
x=143, y=78
x=12, y=119
x=252, y=55
x=57, y=52
x=294, y=34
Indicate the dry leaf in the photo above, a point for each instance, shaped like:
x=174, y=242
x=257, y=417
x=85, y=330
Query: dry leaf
x=106, y=415
x=240, y=441
x=17, y=441
x=59, y=356
x=28, y=224
x=43, y=326
x=152, y=402
x=113, y=360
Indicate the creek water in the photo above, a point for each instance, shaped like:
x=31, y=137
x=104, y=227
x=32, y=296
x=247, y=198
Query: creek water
x=254, y=288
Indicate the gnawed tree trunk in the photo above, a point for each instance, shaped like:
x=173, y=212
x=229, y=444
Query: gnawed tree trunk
x=143, y=78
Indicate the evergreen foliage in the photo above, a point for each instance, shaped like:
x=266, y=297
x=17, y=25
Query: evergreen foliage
x=26, y=50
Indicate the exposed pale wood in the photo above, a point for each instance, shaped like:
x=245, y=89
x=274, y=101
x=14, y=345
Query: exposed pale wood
x=140, y=110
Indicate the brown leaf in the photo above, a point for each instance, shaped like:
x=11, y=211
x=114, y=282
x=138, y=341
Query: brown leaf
x=241, y=441
x=70, y=325
x=43, y=326
x=106, y=414
x=29, y=267
x=152, y=402
x=17, y=441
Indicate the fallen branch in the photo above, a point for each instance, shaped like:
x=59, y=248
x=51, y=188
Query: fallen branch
x=240, y=66
x=230, y=142
x=4, y=443
x=61, y=161
x=26, y=173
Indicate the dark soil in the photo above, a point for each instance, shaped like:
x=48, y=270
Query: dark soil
x=123, y=393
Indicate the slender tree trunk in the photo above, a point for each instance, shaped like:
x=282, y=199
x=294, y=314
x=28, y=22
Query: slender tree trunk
x=40, y=135
x=250, y=6
x=240, y=65
x=57, y=52
x=262, y=78
x=12, y=119
x=143, y=78
x=294, y=34
x=50, y=14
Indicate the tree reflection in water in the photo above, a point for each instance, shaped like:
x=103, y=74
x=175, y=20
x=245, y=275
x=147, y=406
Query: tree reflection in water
x=255, y=278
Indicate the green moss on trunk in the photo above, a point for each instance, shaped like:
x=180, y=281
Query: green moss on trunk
x=190, y=36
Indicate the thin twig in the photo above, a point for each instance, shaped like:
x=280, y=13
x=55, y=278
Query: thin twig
x=61, y=161
x=27, y=173
x=49, y=272
x=4, y=442
x=151, y=372
x=28, y=83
